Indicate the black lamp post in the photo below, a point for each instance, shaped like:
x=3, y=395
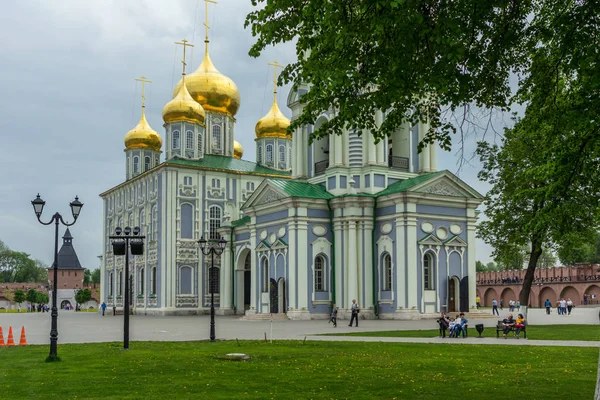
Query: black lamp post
x=122, y=240
x=213, y=247
x=38, y=208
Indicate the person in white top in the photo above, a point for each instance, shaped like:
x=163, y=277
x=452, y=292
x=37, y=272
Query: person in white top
x=563, y=306
x=569, y=305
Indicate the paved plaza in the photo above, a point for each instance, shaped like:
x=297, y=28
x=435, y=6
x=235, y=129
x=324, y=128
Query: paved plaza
x=91, y=327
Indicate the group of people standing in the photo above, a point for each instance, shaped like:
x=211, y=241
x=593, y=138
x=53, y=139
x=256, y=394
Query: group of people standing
x=563, y=307
x=512, y=306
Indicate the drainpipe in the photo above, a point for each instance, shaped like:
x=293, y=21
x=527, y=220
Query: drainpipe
x=332, y=253
x=375, y=306
x=232, y=272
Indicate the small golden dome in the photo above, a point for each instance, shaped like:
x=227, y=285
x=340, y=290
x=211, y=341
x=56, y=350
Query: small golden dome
x=143, y=136
x=183, y=108
x=238, y=150
x=213, y=90
x=273, y=125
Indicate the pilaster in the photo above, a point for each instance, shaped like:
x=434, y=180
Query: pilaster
x=411, y=255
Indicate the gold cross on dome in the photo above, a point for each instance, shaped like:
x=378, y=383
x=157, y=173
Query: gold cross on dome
x=206, y=18
x=185, y=44
x=275, y=65
x=144, y=81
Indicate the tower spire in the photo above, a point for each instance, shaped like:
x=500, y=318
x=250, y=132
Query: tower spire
x=206, y=22
x=275, y=65
x=144, y=81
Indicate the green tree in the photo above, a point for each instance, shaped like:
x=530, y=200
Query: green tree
x=580, y=250
x=87, y=276
x=42, y=298
x=479, y=266
x=19, y=296
x=96, y=276
x=509, y=256
x=31, y=296
x=83, y=296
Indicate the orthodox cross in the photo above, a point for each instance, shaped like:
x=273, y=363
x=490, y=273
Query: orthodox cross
x=275, y=65
x=144, y=81
x=185, y=44
x=206, y=20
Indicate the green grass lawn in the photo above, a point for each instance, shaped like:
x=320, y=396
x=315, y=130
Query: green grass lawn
x=537, y=332
x=291, y=370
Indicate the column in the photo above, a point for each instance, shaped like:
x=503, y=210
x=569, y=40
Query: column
x=400, y=261
x=226, y=278
x=471, y=231
x=411, y=253
x=433, y=156
x=339, y=150
x=381, y=146
x=292, y=277
x=253, y=270
x=368, y=143
x=303, y=262
x=339, y=270
x=426, y=165
x=368, y=263
x=352, y=263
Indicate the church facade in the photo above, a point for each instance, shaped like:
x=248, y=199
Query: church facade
x=307, y=225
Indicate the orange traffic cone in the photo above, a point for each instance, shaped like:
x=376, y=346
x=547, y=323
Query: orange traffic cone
x=1, y=337
x=11, y=341
x=23, y=341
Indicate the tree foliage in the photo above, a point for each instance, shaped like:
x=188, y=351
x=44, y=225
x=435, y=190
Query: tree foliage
x=31, y=295
x=580, y=250
x=87, y=276
x=19, y=296
x=83, y=295
x=19, y=267
x=42, y=298
x=96, y=275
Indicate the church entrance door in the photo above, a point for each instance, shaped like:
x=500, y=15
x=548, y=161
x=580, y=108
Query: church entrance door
x=274, y=296
x=451, y=295
x=281, y=291
x=247, y=290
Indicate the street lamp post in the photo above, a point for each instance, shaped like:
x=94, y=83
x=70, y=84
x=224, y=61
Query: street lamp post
x=121, y=244
x=213, y=247
x=38, y=208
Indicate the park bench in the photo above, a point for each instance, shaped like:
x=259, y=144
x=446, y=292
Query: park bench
x=444, y=329
x=500, y=329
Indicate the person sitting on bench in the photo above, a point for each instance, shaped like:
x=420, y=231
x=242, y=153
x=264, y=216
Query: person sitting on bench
x=519, y=325
x=508, y=323
x=444, y=322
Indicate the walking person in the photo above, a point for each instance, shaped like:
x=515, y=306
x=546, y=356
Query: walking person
x=478, y=302
x=502, y=304
x=114, y=310
x=495, y=307
x=103, y=308
x=355, y=310
x=333, y=318
x=518, y=305
x=563, y=306
x=548, y=306
x=569, y=305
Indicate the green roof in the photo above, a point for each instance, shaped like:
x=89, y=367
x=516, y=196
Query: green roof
x=228, y=164
x=404, y=185
x=302, y=189
x=240, y=222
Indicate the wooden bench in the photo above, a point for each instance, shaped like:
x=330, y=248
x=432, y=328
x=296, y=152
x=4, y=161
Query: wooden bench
x=444, y=329
x=500, y=328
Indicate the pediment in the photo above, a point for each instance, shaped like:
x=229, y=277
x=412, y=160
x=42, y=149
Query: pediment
x=455, y=241
x=265, y=193
x=279, y=244
x=447, y=184
x=263, y=246
x=431, y=239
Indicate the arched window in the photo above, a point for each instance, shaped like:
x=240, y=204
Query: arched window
x=428, y=272
x=153, y=280
x=213, y=280
x=175, y=144
x=265, y=272
x=127, y=166
x=146, y=163
x=387, y=272
x=189, y=140
x=185, y=280
x=141, y=280
x=214, y=215
x=259, y=154
x=216, y=139
x=282, y=156
x=199, y=145
x=319, y=274
x=187, y=221
x=269, y=158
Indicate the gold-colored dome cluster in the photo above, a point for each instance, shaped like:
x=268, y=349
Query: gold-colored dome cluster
x=183, y=108
x=213, y=90
x=143, y=136
x=238, y=150
x=273, y=125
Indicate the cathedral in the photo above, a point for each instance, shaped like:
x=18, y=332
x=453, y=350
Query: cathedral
x=307, y=226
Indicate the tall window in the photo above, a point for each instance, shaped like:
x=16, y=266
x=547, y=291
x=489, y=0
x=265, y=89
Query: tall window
x=127, y=166
x=153, y=280
x=110, y=285
x=199, y=144
x=428, y=272
x=387, y=272
x=259, y=154
x=146, y=163
x=319, y=274
x=214, y=214
x=216, y=138
x=120, y=283
x=185, y=280
x=136, y=165
x=269, y=158
x=141, y=280
x=282, y=156
x=213, y=280
x=265, y=272
x=187, y=221
x=290, y=158
x=216, y=183
x=189, y=140
x=175, y=139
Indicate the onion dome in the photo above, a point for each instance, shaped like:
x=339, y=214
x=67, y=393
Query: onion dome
x=143, y=136
x=183, y=108
x=213, y=90
x=238, y=150
x=273, y=125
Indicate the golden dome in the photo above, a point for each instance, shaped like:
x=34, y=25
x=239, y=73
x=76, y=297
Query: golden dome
x=238, y=150
x=213, y=90
x=143, y=136
x=183, y=108
x=273, y=125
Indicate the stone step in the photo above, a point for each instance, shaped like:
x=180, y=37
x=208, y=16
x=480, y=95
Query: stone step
x=265, y=317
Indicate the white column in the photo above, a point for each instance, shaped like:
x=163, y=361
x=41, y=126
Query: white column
x=411, y=253
x=339, y=150
x=253, y=269
x=401, y=283
x=337, y=232
x=471, y=230
x=433, y=155
x=368, y=262
x=368, y=143
x=303, y=262
x=225, y=299
x=381, y=146
x=292, y=277
x=352, y=263
x=426, y=165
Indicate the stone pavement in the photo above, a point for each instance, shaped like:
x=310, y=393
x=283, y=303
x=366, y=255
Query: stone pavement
x=90, y=327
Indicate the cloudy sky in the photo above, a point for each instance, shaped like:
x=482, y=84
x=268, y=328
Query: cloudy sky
x=68, y=97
